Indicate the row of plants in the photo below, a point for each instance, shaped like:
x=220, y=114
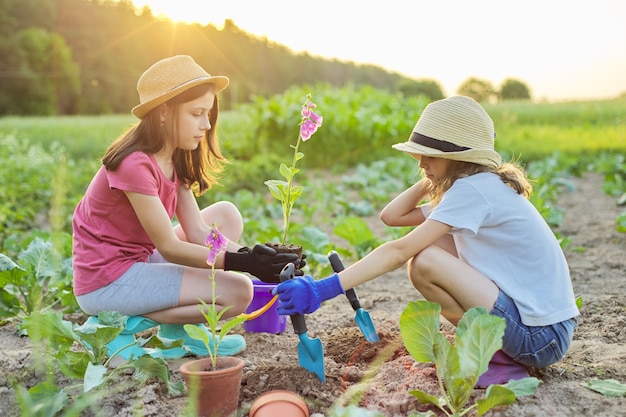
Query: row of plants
x=48, y=162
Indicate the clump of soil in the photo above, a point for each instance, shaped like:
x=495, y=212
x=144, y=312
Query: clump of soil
x=286, y=248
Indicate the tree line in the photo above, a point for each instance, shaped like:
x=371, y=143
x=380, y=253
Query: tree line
x=85, y=57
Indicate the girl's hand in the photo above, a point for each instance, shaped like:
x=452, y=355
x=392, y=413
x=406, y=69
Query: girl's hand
x=304, y=295
x=261, y=261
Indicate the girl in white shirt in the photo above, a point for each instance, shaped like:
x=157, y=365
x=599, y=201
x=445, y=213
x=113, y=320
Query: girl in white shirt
x=478, y=241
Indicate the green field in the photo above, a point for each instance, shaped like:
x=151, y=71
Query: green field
x=349, y=169
x=357, y=128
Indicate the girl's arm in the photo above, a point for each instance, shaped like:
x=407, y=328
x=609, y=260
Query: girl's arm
x=304, y=295
x=156, y=222
x=404, y=210
x=189, y=217
x=393, y=254
x=191, y=221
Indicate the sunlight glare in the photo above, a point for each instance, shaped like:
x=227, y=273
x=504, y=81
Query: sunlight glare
x=186, y=11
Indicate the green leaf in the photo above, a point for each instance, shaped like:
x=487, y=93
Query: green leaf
x=419, y=328
x=42, y=400
x=197, y=333
x=39, y=255
x=496, y=395
x=10, y=272
x=579, y=302
x=73, y=364
x=10, y=305
x=523, y=387
x=98, y=335
x=277, y=189
x=113, y=319
x=426, y=398
x=51, y=327
x=94, y=376
x=149, y=367
x=286, y=172
x=296, y=192
x=608, y=387
x=228, y=325
x=459, y=383
x=478, y=337
x=157, y=342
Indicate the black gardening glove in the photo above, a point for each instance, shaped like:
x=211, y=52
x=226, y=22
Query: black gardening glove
x=261, y=261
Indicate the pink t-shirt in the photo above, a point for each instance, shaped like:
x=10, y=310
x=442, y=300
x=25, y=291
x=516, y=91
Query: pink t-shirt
x=108, y=237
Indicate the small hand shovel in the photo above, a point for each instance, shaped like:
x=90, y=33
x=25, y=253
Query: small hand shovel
x=362, y=317
x=310, y=351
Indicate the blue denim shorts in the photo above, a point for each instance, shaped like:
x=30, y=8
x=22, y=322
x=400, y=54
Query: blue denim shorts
x=535, y=346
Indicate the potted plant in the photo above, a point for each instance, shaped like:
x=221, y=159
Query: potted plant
x=214, y=382
x=284, y=190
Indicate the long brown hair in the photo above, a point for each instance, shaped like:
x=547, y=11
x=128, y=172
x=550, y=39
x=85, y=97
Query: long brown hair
x=511, y=173
x=199, y=169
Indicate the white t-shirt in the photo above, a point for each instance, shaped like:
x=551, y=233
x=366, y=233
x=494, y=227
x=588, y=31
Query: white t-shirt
x=501, y=234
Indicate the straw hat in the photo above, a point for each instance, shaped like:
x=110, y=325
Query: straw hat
x=168, y=78
x=455, y=128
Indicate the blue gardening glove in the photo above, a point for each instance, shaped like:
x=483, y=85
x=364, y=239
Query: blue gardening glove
x=304, y=295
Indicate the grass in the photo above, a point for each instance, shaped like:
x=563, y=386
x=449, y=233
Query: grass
x=532, y=131
x=525, y=130
x=81, y=136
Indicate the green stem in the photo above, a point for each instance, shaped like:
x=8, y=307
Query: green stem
x=288, y=204
x=213, y=325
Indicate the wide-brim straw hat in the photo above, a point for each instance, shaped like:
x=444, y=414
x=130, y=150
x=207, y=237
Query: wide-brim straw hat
x=170, y=77
x=455, y=128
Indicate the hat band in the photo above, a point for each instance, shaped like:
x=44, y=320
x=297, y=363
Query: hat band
x=440, y=145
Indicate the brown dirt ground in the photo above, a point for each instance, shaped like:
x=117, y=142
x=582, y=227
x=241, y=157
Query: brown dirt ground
x=380, y=374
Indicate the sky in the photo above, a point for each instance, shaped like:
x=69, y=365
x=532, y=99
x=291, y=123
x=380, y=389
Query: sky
x=561, y=49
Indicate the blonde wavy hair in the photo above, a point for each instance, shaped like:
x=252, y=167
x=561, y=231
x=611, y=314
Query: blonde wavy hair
x=511, y=173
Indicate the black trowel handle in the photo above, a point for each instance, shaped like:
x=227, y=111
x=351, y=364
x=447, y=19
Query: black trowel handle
x=297, y=320
x=337, y=264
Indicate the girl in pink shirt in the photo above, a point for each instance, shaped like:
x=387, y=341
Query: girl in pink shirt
x=127, y=257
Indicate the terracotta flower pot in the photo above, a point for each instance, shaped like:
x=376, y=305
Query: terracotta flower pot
x=279, y=403
x=215, y=392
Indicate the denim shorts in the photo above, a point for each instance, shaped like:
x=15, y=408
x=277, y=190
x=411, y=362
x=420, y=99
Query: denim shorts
x=535, y=346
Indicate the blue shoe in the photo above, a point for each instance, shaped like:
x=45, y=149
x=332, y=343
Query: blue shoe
x=229, y=346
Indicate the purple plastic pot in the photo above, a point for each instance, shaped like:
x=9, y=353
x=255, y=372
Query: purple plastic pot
x=270, y=321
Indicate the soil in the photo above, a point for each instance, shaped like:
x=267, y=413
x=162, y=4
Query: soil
x=378, y=375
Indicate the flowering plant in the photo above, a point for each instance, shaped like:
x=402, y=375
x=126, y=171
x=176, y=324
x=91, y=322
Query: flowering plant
x=216, y=243
x=285, y=191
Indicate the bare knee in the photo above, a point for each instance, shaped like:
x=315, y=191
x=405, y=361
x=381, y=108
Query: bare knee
x=242, y=297
x=421, y=266
x=227, y=217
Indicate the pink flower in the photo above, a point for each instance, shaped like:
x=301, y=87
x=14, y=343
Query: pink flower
x=216, y=243
x=310, y=120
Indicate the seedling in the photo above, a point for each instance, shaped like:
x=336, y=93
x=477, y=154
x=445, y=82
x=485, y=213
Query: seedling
x=89, y=362
x=478, y=337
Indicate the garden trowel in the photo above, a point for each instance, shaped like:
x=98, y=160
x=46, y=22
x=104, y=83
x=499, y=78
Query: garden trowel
x=362, y=317
x=310, y=351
